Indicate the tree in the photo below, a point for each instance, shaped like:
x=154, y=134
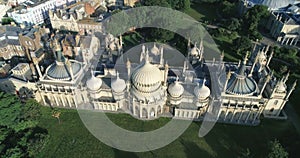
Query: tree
x=242, y=44
x=162, y=3
x=233, y=24
x=228, y=9
x=56, y=114
x=277, y=150
x=252, y=18
x=19, y=134
x=245, y=154
x=7, y=21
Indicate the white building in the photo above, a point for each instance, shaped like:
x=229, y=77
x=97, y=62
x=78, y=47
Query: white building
x=35, y=11
x=148, y=89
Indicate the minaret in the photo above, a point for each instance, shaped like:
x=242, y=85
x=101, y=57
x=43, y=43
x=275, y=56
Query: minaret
x=68, y=63
x=147, y=56
x=128, y=66
x=201, y=47
x=35, y=62
x=286, y=77
x=142, y=53
x=265, y=84
x=253, y=65
x=189, y=48
x=166, y=74
x=184, y=68
x=227, y=79
x=291, y=90
x=161, y=61
x=270, y=58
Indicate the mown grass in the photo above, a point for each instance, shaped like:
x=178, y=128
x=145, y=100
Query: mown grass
x=72, y=139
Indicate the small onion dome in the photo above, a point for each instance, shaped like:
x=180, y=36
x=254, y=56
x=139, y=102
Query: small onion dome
x=202, y=92
x=154, y=50
x=94, y=83
x=118, y=85
x=194, y=51
x=281, y=88
x=175, y=89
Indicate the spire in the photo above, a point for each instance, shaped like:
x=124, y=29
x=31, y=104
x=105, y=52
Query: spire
x=128, y=63
x=142, y=53
x=161, y=61
x=117, y=74
x=147, y=56
x=286, y=77
x=270, y=58
x=242, y=68
x=292, y=89
x=203, y=83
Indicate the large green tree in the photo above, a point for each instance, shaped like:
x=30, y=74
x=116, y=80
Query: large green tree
x=251, y=20
x=277, y=150
x=242, y=45
x=19, y=134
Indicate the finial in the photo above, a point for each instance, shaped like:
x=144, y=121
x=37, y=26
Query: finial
x=229, y=74
x=203, y=83
x=117, y=74
x=295, y=84
x=92, y=72
x=147, y=56
x=143, y=48
x=246, y=58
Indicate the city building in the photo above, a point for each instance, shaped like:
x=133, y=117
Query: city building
x=31, y=12
x=9, y=42
x=284, y=25
x=76, y=18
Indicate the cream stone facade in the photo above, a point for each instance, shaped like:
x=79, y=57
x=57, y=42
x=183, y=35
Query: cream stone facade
x=149, y=87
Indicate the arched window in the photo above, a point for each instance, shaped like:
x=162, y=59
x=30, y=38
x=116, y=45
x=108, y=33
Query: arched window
x=275, y=102
x=271, y=110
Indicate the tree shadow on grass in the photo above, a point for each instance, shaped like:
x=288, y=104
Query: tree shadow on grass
x=192, y=150
x=124, y=154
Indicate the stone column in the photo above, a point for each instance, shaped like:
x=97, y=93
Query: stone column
x=283, y=40
x=62, y=100
x=241, y=114
x=296, y=41
x=43, y=98
x=69, y=102
x=292, y=41
x=287, y=41
x=248, y=116
x=56, y=100
x=75, y=102
x=255, y=117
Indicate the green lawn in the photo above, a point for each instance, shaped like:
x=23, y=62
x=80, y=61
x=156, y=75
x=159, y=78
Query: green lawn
x=203, y=11
x=72, y=139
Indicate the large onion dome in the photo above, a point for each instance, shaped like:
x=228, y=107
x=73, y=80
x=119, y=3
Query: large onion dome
x=175, y=89
x=61, y=70
x=118, y=85
x=94, y=83
x=241, y=84
x=202, y=92
x=154, y=50
x=146, y=78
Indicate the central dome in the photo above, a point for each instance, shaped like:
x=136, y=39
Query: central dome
x=146, y=78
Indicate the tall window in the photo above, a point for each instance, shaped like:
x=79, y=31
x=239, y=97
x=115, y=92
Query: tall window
x=275, y=102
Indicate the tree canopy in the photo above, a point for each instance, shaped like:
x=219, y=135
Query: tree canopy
x=19, y=134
